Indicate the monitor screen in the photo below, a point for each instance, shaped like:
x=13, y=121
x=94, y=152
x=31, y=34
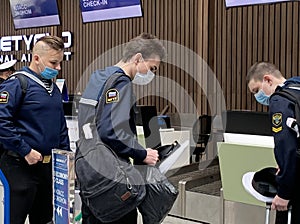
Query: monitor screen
x=34, y=13
x=232, y=3
x=247, y=122
x=147, y=117
x=108, y=10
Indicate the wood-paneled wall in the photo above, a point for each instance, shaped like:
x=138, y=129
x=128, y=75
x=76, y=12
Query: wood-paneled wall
x=245, y=35
x=181, y=22
x=209, y=48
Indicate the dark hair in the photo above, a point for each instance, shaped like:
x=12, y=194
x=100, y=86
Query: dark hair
x=53, y=42
x=259, y=69
x=146, y=44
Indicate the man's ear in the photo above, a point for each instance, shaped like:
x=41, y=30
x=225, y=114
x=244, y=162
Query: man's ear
x=137, y=57
x=268, y=78
x=35, y=57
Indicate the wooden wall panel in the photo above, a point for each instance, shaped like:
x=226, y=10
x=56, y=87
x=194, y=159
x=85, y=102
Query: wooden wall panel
x=180, y=22
x=245, y=35
x=175, y=21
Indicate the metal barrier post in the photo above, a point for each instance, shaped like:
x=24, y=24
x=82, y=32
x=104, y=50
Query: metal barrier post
x=6, y=200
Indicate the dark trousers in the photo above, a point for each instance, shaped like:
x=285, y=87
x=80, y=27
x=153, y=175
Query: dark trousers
x=30, y=190
x=89, y=218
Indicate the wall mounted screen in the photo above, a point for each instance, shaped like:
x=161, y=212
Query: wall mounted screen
x=232, y=3
x=101, y=10
x=34, y=13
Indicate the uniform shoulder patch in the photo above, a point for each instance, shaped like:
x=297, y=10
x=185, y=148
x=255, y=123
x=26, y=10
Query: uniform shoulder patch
x=277, y=122
x=112, y=96
x=4, y=97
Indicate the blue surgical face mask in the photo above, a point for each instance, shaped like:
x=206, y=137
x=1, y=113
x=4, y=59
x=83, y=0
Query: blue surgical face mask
x=48, y=73
x=262, y=98
x=143, y=79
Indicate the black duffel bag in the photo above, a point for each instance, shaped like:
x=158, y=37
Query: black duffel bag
x=160, y=197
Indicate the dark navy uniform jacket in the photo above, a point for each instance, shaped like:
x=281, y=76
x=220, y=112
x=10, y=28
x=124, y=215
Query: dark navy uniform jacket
x=116, y=123
x=35, y=122
x=285, y=138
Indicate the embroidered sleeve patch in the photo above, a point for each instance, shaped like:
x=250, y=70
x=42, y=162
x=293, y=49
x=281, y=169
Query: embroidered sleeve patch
x=4, y=97
x=277, y=122
x=112, y=96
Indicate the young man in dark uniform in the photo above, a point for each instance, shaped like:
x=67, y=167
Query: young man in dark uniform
x=31, y=125
x=263, y=80
x=116, y=125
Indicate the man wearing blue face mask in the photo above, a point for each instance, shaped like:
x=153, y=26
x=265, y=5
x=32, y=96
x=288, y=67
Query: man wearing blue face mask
x=263, y=80
x=31, y=125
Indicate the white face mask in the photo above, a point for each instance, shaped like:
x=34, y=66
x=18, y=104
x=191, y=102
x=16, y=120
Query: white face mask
x=143, y=79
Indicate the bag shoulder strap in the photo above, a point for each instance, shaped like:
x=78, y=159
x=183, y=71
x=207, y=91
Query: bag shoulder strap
x=293, y=96
x=108, y=83
x=23, y=82
x=100, y=105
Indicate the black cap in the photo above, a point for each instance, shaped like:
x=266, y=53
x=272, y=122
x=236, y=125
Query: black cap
x=264, y=182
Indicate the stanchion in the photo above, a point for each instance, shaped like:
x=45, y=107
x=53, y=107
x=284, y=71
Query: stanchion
x=268, y=209
x=6, y=199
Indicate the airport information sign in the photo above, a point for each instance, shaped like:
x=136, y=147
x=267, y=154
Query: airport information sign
x=100, y=10
x=63, y=185
x=233, y=3
x=34, y=13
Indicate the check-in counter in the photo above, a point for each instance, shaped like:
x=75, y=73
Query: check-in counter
x=213, y=192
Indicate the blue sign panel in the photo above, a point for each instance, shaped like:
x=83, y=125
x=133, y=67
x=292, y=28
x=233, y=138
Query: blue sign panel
x=231, y=3
x=34, y=13
x=100, y=10
x=61, y=188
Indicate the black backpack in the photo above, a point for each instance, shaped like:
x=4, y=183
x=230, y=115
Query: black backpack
x=291, y=94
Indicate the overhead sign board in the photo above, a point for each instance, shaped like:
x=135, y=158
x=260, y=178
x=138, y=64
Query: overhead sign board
x=101, y=10
x=233, y=3
x=34, y=13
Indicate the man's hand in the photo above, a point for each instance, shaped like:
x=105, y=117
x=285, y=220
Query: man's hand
x=33, y=157
x=279, y=204
x=152, y=157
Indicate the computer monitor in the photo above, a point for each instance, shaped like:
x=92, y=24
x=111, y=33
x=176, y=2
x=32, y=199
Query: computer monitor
x=146, y=116
x=247, y=122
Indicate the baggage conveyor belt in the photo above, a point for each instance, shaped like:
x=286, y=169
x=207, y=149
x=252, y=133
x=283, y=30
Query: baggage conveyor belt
x=199, y=191
x=203, y=180
x=201, y=199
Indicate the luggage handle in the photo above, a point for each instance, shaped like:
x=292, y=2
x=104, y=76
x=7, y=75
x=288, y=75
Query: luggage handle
x=268, y=209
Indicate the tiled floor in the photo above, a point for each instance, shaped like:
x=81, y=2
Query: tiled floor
x=168, y=220
x=172, y=220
